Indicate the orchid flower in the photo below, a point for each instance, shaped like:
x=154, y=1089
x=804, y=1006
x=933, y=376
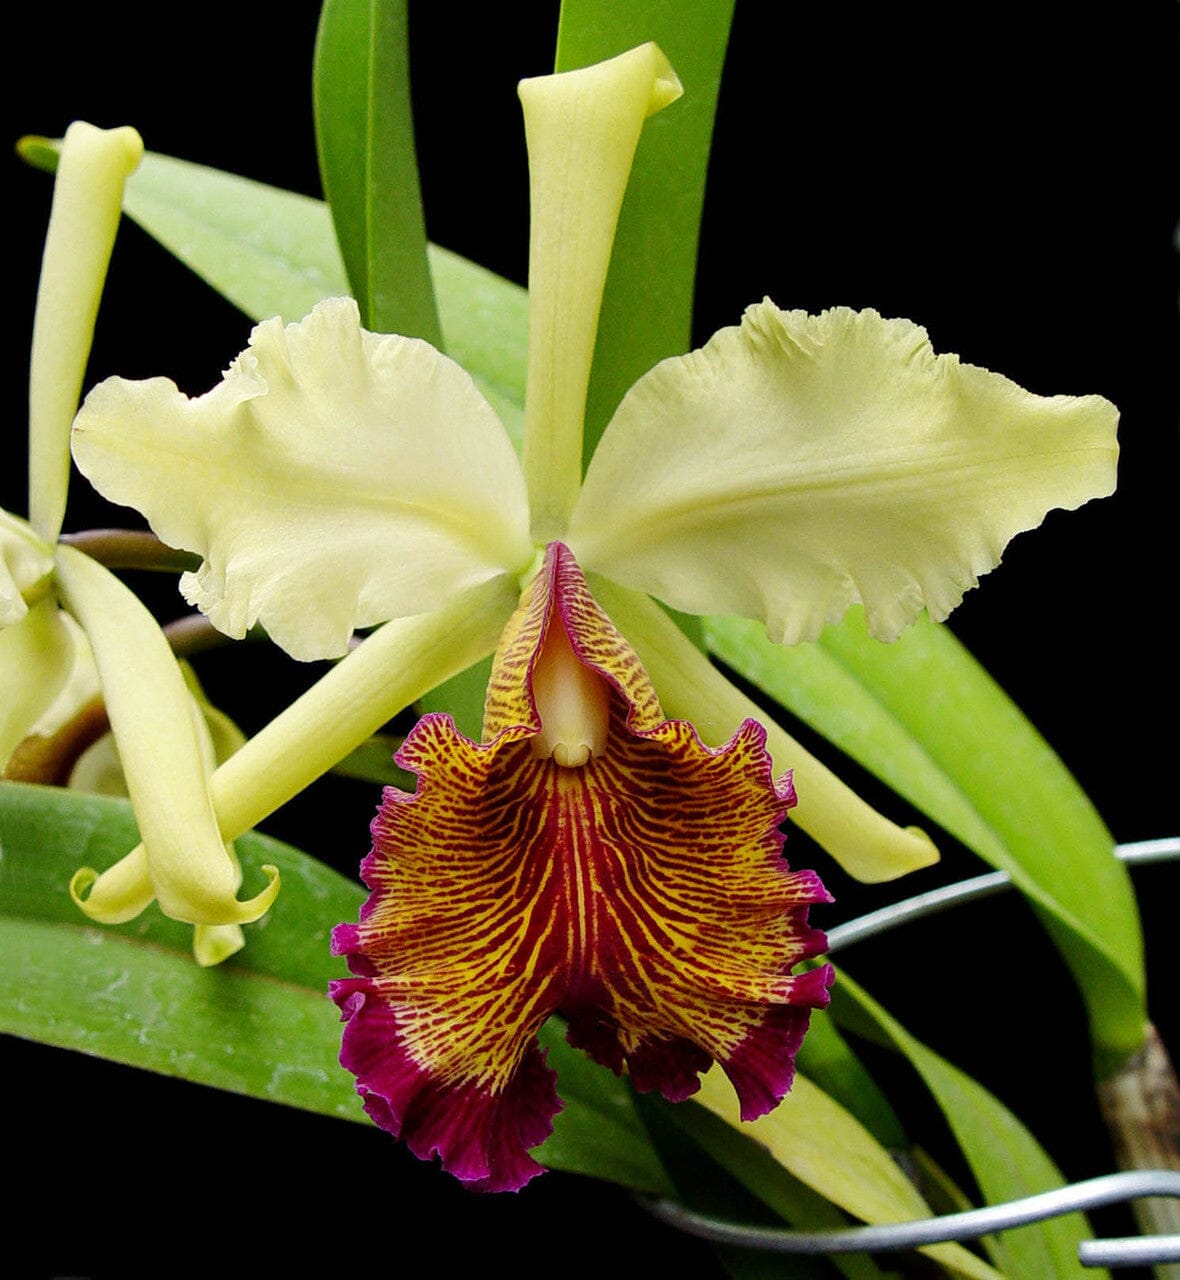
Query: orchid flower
x=590, y=855
x=46, y=652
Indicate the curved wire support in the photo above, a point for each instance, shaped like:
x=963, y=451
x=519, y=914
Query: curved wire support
x=925, y=904
x=1132, y=1251
x=1112, y=1188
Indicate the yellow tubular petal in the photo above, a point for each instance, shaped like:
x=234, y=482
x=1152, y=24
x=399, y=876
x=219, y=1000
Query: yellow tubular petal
x=797, y=464
x=334, y=479
x=582, y=128
x=397, y=664
x=867, y=845
x=151, y=715
x=36, y=657
x=24, y=561
x=81, y=687
x=213, y=725
x=213, y=943
x=87, y=197
x=119, y=894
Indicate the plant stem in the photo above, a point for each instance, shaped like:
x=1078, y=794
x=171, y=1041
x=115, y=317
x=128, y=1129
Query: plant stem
x=130, y=549
x=1141, y=1107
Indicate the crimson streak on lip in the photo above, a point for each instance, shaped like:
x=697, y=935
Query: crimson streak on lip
x=641, y=893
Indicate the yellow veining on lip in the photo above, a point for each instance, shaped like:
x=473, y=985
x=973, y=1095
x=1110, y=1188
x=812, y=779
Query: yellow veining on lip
x=643, y=893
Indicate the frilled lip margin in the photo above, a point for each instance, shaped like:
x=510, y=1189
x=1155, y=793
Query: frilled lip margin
x=641, y=894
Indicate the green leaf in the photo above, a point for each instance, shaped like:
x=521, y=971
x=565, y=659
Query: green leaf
x=485, y=322
x=684, y=1135
x=462, y=698
x=114, y=997
x=827, y=1058
x=647, y=307
x=273, y=253
x=372, y=761
x=1005, y=1158
x=598, y=1131
x=751, y=1165
x=259, y=1025
x=823, y=1146
x=365, y=139
x=924, y=717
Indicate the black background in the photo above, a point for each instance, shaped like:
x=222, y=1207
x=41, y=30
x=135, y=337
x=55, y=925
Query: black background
x=1004, y=175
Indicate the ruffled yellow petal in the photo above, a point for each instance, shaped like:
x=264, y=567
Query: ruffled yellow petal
x=87, y=198
x=582, y=128
x=152, y=718
x=866, y=844
x=334, y=479
x=798, y=464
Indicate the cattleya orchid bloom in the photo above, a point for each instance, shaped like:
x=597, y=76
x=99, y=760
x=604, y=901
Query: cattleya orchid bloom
x=51, y=659
x=590, y=855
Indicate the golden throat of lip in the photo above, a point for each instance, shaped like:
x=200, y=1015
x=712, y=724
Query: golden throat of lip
x=573, y=702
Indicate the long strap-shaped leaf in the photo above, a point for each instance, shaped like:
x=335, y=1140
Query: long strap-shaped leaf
x=647, y=307
x=928, y=720
x=1005, y=1158
x=365, y=138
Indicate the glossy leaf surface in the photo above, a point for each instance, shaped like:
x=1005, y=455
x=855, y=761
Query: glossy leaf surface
x=1005, y=1158
x=365, y=136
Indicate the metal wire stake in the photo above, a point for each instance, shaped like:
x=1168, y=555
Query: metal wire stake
x=890, y=1237
x=925, y=904
x=1132, y=1184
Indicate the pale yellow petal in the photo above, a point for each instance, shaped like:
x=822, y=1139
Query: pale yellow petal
x=99, y=770
x=87, y=198
x=25, y=561
x=213, y=943
x=396, y=665
x=221, y=733
x=152, y=719
x=81, y=685
x=393, y=667
x=334, y=479
x=582, y=128
x=798, y=464
x=866, y=844
x=120, y=893
x=36, y=657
